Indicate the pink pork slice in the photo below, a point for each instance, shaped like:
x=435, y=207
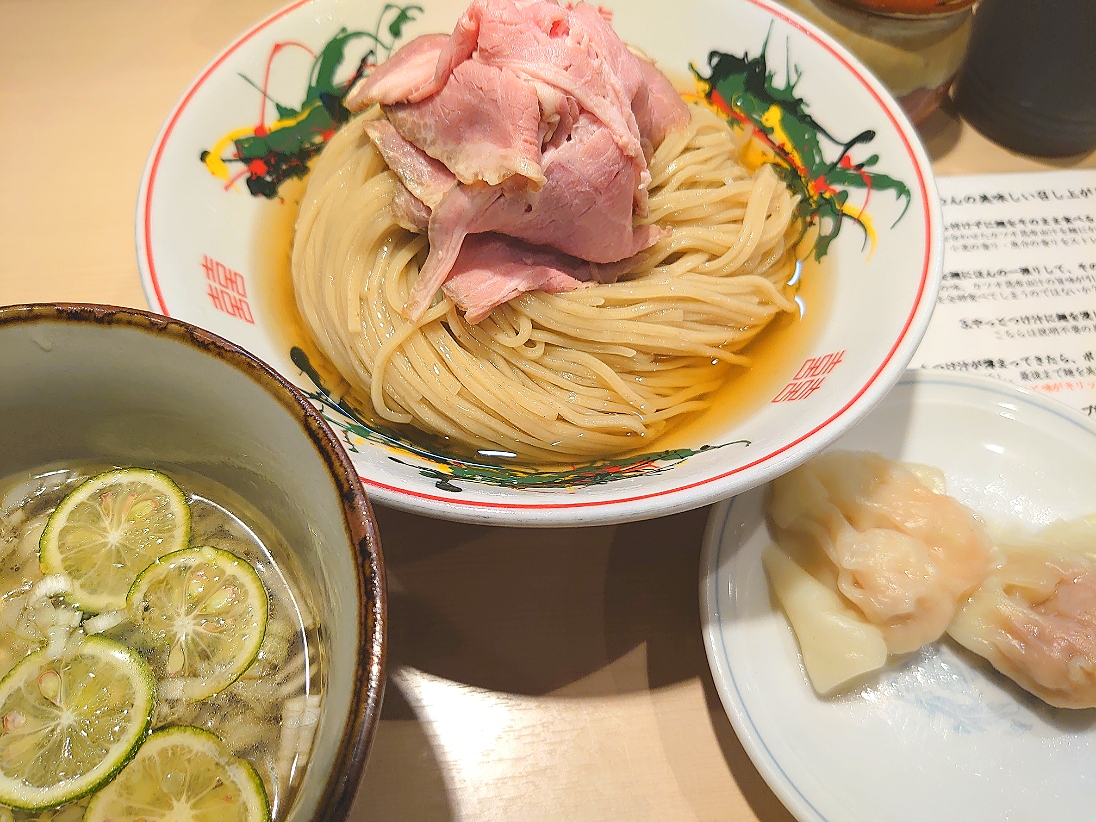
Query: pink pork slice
x=665, y=111
x=400, y=77
x=450, y=222
x=543, y=41
x=484, y=125
x=409, y=211
x=491, y=270
x=585, y=206
x=584, y=210
x=540, y=41
x=519, y=90
x=426, y=178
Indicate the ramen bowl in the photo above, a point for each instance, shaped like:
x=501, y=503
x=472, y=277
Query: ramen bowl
x=221, y=188
x=117, y=387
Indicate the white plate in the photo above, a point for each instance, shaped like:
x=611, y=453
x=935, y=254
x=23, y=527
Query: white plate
x=938, y=735
x=213, y=254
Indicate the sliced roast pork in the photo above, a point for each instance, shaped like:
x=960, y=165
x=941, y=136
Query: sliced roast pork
x=428, y=179
x=585, y=206
x=484, y=125
x=401, y=76
x=409, y=211
x=545, y=118
x=492, y=269
x=584, y=210
x=664, y=111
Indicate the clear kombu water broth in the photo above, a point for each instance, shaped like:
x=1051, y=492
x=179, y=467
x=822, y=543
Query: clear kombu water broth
x=268, y=716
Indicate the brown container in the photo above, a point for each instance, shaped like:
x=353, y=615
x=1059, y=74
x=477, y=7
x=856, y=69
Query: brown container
x=916, y=57
x=910, y=8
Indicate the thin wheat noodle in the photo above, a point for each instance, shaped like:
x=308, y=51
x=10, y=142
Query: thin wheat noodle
x=551, y=377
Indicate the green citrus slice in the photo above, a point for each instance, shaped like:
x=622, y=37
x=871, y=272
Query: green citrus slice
x=69, y=723
x=182, y=773
x=199, y=616
x=111, y=528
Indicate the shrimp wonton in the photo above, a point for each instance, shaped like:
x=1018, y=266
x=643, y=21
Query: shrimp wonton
x=899, y=552
x=1034, y=617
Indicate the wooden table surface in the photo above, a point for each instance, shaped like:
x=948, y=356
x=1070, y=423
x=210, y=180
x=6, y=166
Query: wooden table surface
x=535, y=675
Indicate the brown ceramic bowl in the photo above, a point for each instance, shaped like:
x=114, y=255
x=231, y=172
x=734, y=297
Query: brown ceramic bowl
x=126, y=387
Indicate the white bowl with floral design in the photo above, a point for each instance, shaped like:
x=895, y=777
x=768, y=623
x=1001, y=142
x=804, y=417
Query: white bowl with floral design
x=217, y=204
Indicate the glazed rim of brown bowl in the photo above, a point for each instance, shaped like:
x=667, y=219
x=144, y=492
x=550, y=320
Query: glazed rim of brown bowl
x=361, y=724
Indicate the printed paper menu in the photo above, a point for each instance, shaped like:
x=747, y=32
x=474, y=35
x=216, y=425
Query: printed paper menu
x=1018, y=297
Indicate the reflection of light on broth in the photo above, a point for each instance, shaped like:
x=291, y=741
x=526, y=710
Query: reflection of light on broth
x=777, y=352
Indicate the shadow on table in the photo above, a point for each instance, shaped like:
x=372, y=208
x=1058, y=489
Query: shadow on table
x=533, y=611
x=581, y=612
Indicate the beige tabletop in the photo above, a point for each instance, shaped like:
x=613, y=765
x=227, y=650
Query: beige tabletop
x=534, y=675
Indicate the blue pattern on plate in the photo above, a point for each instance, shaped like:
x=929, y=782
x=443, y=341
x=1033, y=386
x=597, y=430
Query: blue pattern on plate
x=937, y=683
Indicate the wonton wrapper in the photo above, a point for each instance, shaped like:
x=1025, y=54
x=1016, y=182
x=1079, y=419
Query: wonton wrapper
x=901, y=554
x=1034, y=617
x=836, y=643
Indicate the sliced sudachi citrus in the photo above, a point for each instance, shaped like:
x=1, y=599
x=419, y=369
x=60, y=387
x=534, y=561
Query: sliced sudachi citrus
x=182, y=773
x=108, y=530
x=199, y=617
x=68, y=723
